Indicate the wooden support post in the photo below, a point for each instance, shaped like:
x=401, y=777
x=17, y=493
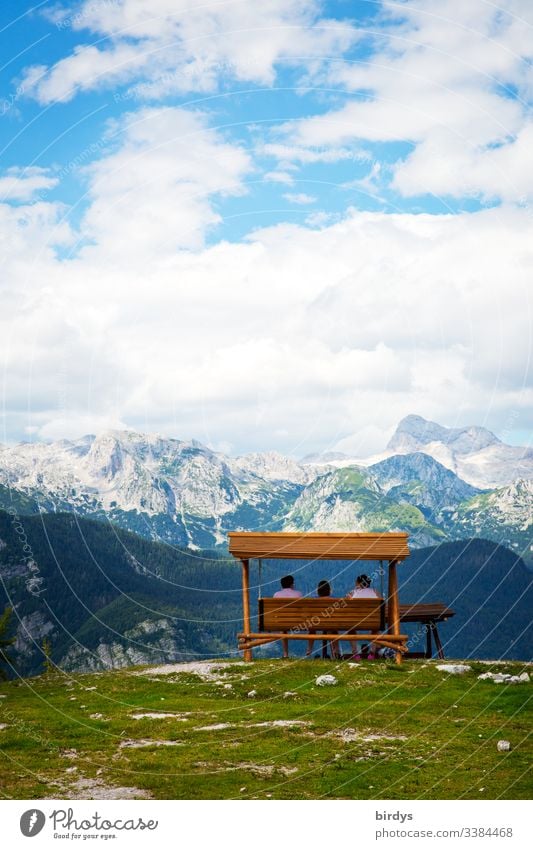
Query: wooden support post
x=440, y=650
x=246, y=604
x=429, y=651
x=394, y=605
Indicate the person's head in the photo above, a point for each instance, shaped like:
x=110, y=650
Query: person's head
x=323, y=589
x=287, y=582
x=363, y=581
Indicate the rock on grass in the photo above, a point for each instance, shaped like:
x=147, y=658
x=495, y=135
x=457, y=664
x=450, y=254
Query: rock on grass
x=326, y=681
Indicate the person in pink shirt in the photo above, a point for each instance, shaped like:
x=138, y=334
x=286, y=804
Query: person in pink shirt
x=287, y=588
x=287, y=591
x=363, y=589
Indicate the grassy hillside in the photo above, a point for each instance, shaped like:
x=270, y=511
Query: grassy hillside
x=186, y=731
x=347, y=499
x=489, y=588
x=97, y=588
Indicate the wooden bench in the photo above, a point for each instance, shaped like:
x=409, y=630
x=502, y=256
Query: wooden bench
x=428, y=615
x=300, y=618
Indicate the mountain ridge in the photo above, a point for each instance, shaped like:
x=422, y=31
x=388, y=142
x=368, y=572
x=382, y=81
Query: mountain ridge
x=185, y=493
x=415, y=431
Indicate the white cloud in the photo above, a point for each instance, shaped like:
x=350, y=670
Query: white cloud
x=472, y=116
x=452, y=79
x=71, y=425
x=445, y=165
x=300, y=336
x=87, y=67
x=153, y=194
x=22, y=184
x=320, y=219
x=299, y=198
x=279, y=177
x=306, y=156
x=175, y=46
x=295, y=340
x=30, y=231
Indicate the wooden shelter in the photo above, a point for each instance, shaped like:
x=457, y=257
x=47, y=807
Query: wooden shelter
x=390, y=547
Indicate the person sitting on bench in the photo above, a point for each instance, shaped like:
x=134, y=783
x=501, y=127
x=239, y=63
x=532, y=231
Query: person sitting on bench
x=363, y=589
x=323, y=590
x=287, y=591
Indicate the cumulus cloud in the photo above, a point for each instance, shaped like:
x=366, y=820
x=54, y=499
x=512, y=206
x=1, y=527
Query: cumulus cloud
x=298, y=337
x=445, y=165
x=23, y=184
x=175, y=46
x=293, y=339
x=453, y=80
x=153, y=193
x=473, y=117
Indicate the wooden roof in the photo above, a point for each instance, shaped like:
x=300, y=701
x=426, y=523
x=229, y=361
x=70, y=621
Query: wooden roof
x=316, y=546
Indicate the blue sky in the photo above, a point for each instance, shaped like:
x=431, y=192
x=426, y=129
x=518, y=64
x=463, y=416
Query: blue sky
x=53, y=134
x=276, y=227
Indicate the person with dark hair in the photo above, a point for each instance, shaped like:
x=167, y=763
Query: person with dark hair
x=363, y=589
x=287, y=588
x=287, y=591
x=323, y=590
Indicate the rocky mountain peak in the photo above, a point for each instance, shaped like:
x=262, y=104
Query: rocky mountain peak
x=415, y=432
x=106, y=456
x=273, y=466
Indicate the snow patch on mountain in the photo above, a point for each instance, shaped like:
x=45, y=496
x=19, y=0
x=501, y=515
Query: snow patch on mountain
x=473, y=453
x=186, y=493
x=413, y=432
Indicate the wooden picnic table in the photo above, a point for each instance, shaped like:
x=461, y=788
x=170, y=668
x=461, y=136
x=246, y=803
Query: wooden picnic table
x=427, y=615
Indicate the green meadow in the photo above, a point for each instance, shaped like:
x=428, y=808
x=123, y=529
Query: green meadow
x=267, y=730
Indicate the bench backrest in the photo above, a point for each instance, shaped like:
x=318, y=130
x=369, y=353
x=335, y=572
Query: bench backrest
x=336, y=614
